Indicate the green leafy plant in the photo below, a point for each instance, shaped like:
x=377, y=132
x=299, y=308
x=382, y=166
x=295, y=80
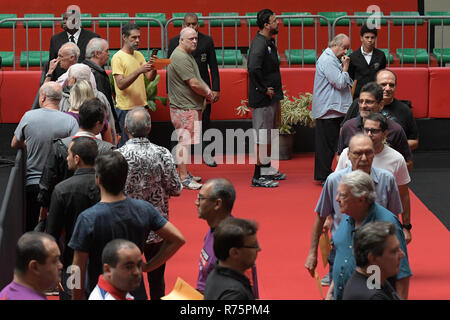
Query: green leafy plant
x=151, y=89
x=294, y=111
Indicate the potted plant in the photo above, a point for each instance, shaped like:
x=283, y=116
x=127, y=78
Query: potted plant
x=294, y=111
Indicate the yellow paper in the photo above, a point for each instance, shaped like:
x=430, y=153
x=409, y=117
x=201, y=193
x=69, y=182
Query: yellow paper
x=161, y=63
x=319, y=284
x=183, y=291
x=325, y=248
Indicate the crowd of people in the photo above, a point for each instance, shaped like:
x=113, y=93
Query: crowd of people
x=98, y=190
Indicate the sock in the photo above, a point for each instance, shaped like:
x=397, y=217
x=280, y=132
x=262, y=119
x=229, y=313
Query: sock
x=265, y=169
x=257, y=172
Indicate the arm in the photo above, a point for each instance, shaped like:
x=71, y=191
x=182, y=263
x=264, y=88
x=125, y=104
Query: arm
x=80, y=259
x=337, y=78
x=17, y=144
x=406, y=215
x=173, y=240
x=124, y=82
x=214, y=69
x=413, y=144
x=55, y=217
x=402, y=287
x=200, y=88
x=311, y=260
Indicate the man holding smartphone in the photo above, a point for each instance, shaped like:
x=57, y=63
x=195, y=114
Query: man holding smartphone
x=129, y=68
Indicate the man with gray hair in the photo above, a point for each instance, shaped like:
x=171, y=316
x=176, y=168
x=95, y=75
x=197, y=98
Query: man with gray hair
x=97, y=55
x=214, y=204
x=80, y=71
x=152, y=177
x=331, y=99
x=356, y=197
x=36, y=131
x=376, y=249
x=68, y=55
x=188, y=95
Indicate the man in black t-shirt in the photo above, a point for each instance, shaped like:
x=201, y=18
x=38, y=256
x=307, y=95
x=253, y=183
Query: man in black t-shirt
x=377, y=255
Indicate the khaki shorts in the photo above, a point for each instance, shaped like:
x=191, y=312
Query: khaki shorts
x=263, y=120
x=188, y=125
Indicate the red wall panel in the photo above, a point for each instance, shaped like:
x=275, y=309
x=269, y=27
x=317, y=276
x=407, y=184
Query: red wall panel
x=439, y=96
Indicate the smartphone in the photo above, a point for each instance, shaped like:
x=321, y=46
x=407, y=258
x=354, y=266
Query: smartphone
x=154, y=52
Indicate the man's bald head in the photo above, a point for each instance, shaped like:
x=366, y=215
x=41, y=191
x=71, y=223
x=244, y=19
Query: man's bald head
x=52, y=91
x=138, y=122
x=361, y=152
x=188, y=39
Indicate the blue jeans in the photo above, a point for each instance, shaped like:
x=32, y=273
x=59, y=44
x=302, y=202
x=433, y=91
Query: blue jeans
x=121, y=114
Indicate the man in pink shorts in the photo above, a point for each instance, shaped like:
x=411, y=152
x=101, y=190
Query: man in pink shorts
x=188, y=95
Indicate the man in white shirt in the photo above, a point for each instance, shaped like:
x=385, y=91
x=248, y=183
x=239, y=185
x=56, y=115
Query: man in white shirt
x=375, y=126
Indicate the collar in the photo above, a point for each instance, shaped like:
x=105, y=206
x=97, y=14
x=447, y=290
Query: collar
x=232, y=274
x=82, y=171
x=105, y=285
x=84, y=134
x=366, y=53
x=76, y=35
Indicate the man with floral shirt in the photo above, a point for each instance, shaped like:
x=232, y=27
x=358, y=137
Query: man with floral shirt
x=151, y=177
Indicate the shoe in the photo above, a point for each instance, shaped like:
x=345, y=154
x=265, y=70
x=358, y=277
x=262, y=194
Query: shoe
x=191, y=184
x=326, y=280
x=276, y=176
x=264, y=182
x=195, y=178
x=211, y=163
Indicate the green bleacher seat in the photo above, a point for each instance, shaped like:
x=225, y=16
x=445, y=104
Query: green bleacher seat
x=7, y=58
x=383, y=21
x=332, y=16
x=34, y=58
x=406, y=22
x=84, y=23
x=8, y=24
x=161, y=17
x=389, y=56
x=112, y=23
x=177, y=23
x=36, y=24
x=296, y=56
x=229, y=57
x=252, y=22
x=409, y=53
x=297, y=21
x=225, y=23
x=438, y=22
x=445, y=54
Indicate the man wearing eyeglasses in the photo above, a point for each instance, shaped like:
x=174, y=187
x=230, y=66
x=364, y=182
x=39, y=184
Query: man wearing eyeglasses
x=361, y=153
x=236, y=247
x=214, y=204
x=371, y=100
x=375, y=126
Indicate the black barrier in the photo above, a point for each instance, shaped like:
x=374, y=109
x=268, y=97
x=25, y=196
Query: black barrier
x=12, y=218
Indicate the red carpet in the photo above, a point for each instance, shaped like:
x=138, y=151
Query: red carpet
x=285, y=216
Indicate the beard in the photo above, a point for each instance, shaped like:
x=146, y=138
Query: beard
x=274, y=31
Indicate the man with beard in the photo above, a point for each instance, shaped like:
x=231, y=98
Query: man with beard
x=264, y=95
x=128, y=68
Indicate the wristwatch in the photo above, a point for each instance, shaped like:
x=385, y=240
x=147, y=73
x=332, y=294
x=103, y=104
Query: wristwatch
x=48, y=75
x=407, y=226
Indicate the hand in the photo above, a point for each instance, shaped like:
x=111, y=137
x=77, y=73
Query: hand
x=146, y=67
x=216, y=95
x=270, y=92
x=311, y=264
x=52, y=65
x=327, y=224
x=345, y=63
x=210, y=97
x=408, y=236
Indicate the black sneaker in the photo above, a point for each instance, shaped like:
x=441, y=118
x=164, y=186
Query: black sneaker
x=264, y=182
x=276, y=176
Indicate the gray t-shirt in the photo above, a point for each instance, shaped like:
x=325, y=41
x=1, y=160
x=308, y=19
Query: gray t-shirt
x=182, y=68
x=39, y=128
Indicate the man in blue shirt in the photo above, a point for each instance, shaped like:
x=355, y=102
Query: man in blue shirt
x=331, y=100
x=117, y=216
x=356, y=197
x=361, y=156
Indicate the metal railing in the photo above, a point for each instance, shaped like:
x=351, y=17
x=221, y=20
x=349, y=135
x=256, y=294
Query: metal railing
x=402, y=18
x=107, y=19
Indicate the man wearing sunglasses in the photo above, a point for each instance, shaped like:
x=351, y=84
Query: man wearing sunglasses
x=371, y=100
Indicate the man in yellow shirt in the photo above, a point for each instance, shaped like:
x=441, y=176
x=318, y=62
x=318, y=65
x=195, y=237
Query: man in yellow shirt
x=129, y=68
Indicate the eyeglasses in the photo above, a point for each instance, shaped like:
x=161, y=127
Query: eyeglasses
x=366, y=102
x=200, y=197
x=359, y=154
x=372, y=130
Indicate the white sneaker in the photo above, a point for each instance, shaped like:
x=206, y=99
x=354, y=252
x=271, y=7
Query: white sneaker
x=190, y=183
